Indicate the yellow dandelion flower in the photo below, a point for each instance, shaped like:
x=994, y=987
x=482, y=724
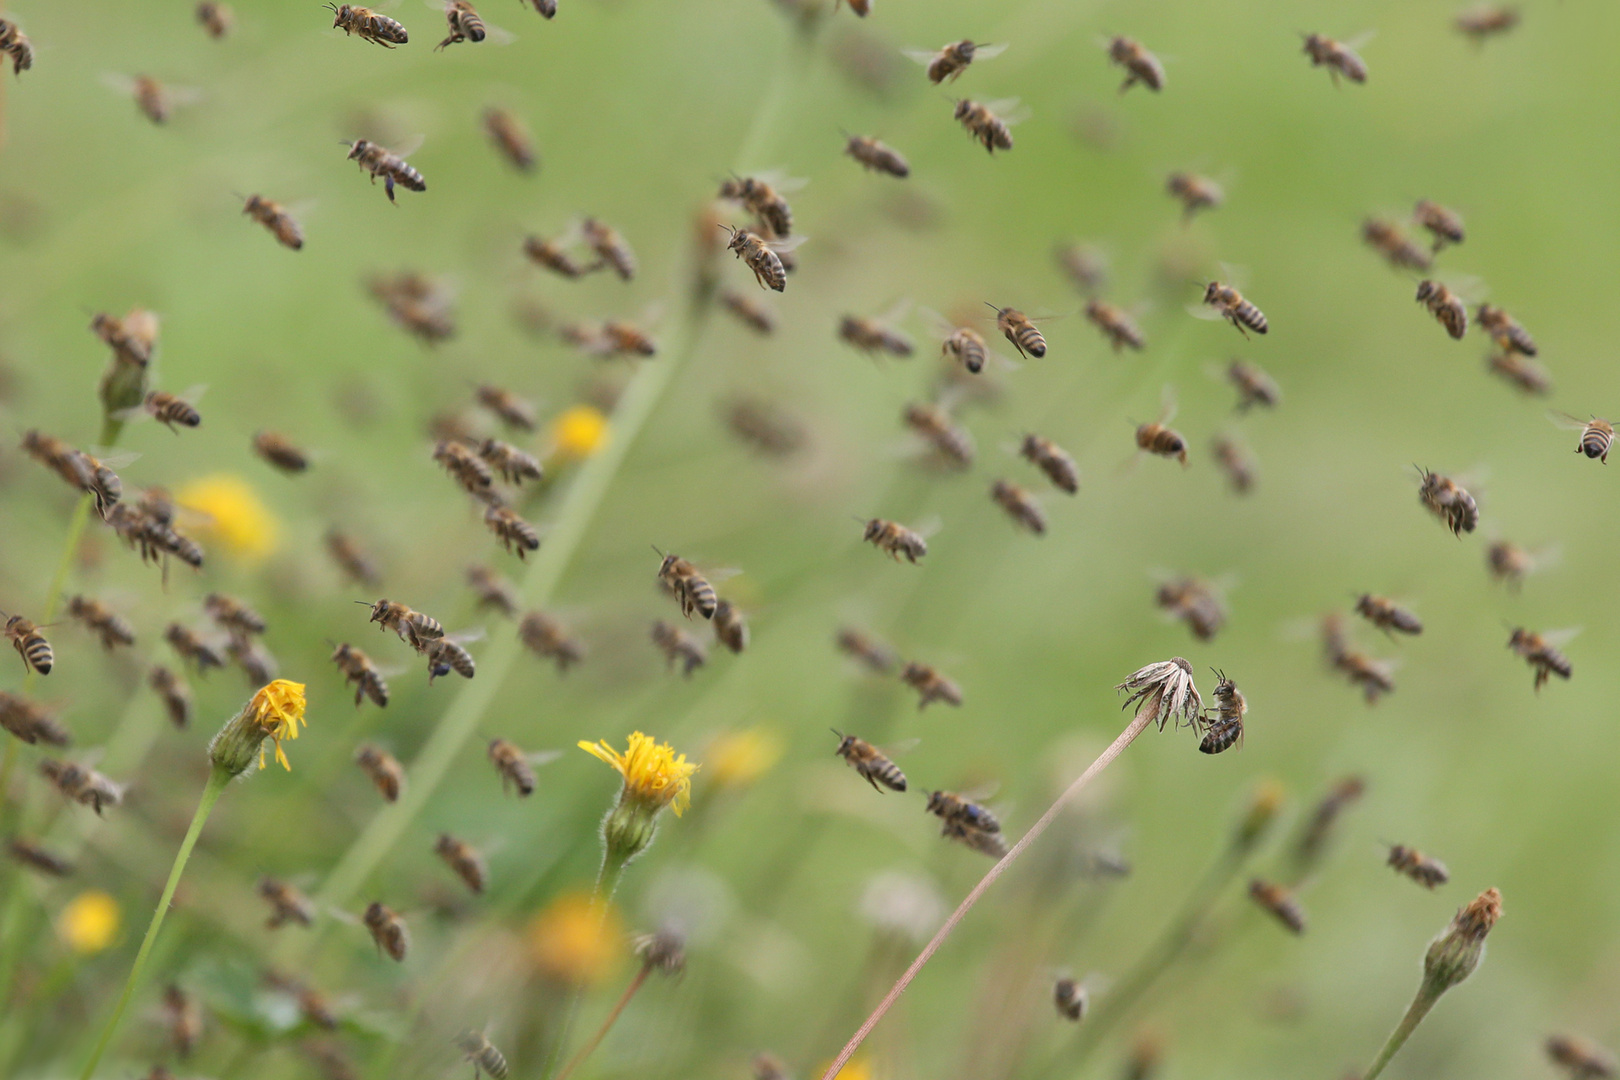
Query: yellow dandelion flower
x=654, y=775
x=579, y=432
x=278, y=709
x=857, y=1068
x=233, y=517
x=576, y=941
x=739, y=758
x=89, y=923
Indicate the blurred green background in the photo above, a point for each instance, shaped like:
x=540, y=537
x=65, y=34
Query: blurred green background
x=638, y=110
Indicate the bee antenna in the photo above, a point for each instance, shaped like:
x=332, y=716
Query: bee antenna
x=655, y=548
x=992, y=307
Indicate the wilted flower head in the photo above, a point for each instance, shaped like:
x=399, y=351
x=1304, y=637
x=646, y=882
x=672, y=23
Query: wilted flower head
x=273, y=713
x=1165, y=690
x=1454, y=955
x=664, y=950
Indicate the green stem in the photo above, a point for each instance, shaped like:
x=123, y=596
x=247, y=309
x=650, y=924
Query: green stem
x=211, y=793
x=1414, y=1016
x=607, y=883
x=601, y=1032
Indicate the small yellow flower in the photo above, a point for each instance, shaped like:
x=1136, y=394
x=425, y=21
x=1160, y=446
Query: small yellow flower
x=278, y=708
x=857, y=1068
x=89, y=922
x=574, y=940
x=233, y=515
x=739, y=758
x=654, y=775
x=579, y=432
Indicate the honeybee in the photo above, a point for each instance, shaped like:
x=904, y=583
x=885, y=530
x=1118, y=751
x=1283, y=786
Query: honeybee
x=1319, y=829
x=170, y=409
x=610, y=247
x=1232, y=307
x=1140, y=65
x=1117, y=326
x=493, y=591
x=152, y=98
x=546, y=8
x=1235, y=462
x=387, y=930
x=31, y=722
x=1280, y=902
x=414, y=628
x=479, y=1050
x=950, y=441
x=1337, y=57
x=279, y=452
x=1523, y=373
x=514, y=465
x=511, y=138
x=1582, y=1057
x=1449, y=501
x=750, y=312
x=1445, y=306
x=467, y=863
x=1225, y=726
x=82, y=784
x=375, y=28
x=931, y=686
x=445, y=655
x=192, y=648
x=549, y=640
x=691, y=589
x=870, y=763
x=618, y=337
x=873, y=335
x=233, y=615
x=953, y=59
x=465, y=24
x=1374, y=677
x=1387, y=615
x=730, y=626
x=1446, y=226
x=1254, y=386
x=1509, y=562
x=185, y=1019
x=1388, y=240
x=951, y=807
x=380, y=161
x=176, y=695
x=1418, y=866
x=273, y=216
x=253, y=658
x=514, y=767
x=417, y=303
x=873, y=654
x=131, y=338
x=515, y=534
x=679, y=647
x=1541, y=652
x=551, y=255
x=70, y=464
x=382, y=769
x=769, y=1067
x=1020, y=505
x=112, y=628
x=763, y=256
x=35, y=857
x=965, y=346
x=1159, y=439
x=1505, y=330
x=358, y=669
x=1195, y=603
x=762, y=200
x=288, y=904
x=15, y=44
x=1195, y=193
x=354, y=563
x=1086, y=266
x=1052, y=460
x=507, y=406
x=895, y=539
x=1019, y=331
x=984, y=123
x=30, y=644
x=863, y=8
x=1483, y=22
x=105, y=488
x=980, y=840
x=874, y=155
x=216, y=18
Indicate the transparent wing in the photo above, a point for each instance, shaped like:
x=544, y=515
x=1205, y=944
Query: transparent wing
x=1566, y=421
x=115, y=459
x=543, y=757
x=122, y=83
x=928, y=526
x=938, y=325
x=408, y=146
x=1204, y=311
x=789, y=244
x=1167, y=404
x=988, y=52
x=921, y=56
x=897, y=311
x=1360, y=41
x=466, y=637
x=1557, y=639
x=496, y=35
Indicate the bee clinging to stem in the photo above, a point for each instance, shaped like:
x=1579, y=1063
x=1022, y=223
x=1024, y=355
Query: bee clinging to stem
x=1225, y=726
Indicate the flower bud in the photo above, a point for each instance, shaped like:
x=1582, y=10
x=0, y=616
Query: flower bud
x=1454, y=955
x=273, y=713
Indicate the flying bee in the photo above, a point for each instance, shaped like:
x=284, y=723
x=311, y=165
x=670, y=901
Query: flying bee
x=1505, y=330
x=876, y=335
x=1584, y=1058
x=750, y=312
x=874, y=155
x=1387, y=615
x=1509, y=562
x=380, y=161
x=279, y=452
x=1541, y=652
x=154, y=100
x=1388, y=240
x=233, y=615
x=862, y=8
x=931, y=686
x=105, y=488
x=99, y=619
x=547, y=9
x=30, y=644
x=1235, y=462
x=131, y=338
x=609, y=247
x=185, y=1019
x=514, y=465
x=1449, y=501
x=382, y=769
x=1159, y=439
x=551, y=255
x=953, y=59
x=467, y=863
x=479, y=1050
x=618, y=337
x=690, y=588
x=514, y=767
x=358, y=669
x=1140, y=65
x=372, y=27
x=35, y=857
x=15, y=44
x=31, y=722
x=985, y=123
x=1117, y=326
x=216, y=18
x=1375, y=677
x=1017, y=328
x=511, y=138
x=515, y=534
x=1253, y=385
x=1280, y=902
x=1071, y=999
x=1523, y=373
x=1337, y=57
x=761, y=199
x=288, y=904
x=1445, y=306
x=895, y=540
x=176, y=695
x=387, y=930
x=1419, y=867
x=189, y=647
x=445, y=655
x=1085, y=265
x=873, y=654
x=951, y=807
x=507, y=406
x=1445, y=226
x=1020, y=505
x=253, y=658
x=1481, y=23
x=1194, y=192
x=273, y=216
x=1052, y=460
x=82, y=784
x=414, y=628
x=870, y=763
x=949, y=440
x=354, y=563
x=730, y=626
x=763, y=256
x=60, y=458
x=965, y=346
x=465, y=24
x=549, y=639
x=171, y=409
x=1230, y=305
x=679, y=647
x=980, y=840
x=493, y=591
x=1195, y=603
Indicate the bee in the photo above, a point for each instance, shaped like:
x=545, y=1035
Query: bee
x=873, y=654
x=1446, y=226
x=980, y=840
x=1388, y=240
x=1338, y=58
x=610, y=247
x=1052, y=460
x=1085, y=266
x=514, y=767
x=169, y=410
x=862, y=8
x=763, y=201
x=762, y=256
x=1194, y=603
x=467, y=863
x=1280, y=902
x=253, y=658
x=1118, y=327
x=765, y=427
x=493, y=591
x=479, y=1050
x=507, y=406
x=82, y=784
x=1418, y=866
x=233, y=615
x=1019, y=331
x=895, y=540
x=465, y=24
x=1020, y=505
x=30, y=644
x=175, y=693
x=730, y=626
x=515, y=534
x=132, y=338
x=1509, y=562
x=546, y=8
x=445, y=656
x=1071, y=999
x=511, y=138
x=356, y=566
x=1449, y=501
x=280, y=453
x=870, y=763
x=950, y=807
x=375, y=28
x=70, y=464
x=1195, y=192
x=1387, y=615
x=691, y=589
x=949, y=440
x=1161, y=440
x=1231, y=305
x=1445, y=306
x=549, y=640
x=152, y=98
x=315, y=1008
x=288, y=904
x=414, y=628
x=358, y=669
x=1374, y=677
x=418, y=304
x=1320, y=827
x=216, y=18
x=464, y=465
x=1235, y=462
x=1483, y=22
x=965, y=346
x=112, y=628
x=185, y=1019
x=35, y=857
x=31, y=722
x=1225, y=727
x=1523, y=373
x=1140, y=65
x=105, y=488
x=872, y=335
x=950, y=61
x=1505, y=330
x=679, y=647
x=750, y=312
x=621, y=338
x=15, y=44
x=769, y=1067
x=379, y=161
x=930, y=685
x=273, y=216
x=550, y=254
x=1254, y=386
x=874, y=155
x=387, y=930
x=982, y=122
x=1541, y=653
x=191, y=648
x=1582, y=1057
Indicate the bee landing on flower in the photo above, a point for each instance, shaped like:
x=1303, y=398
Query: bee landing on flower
x=654, y=777
x=273, y=713
x=1165, y=690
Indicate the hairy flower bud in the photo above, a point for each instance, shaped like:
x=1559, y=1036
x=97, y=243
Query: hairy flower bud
x=1454, y=955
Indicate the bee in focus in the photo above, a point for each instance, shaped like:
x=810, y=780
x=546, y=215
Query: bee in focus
x=511, y=138
x=479, y=1050
x=1521, y=372
x=132, y=338
x=273, y=216
x=466, y=862
x=1195, y=603
x=354, y=563
x=493, y=591
x=690, y=588
x=465, y=24
x=1052, y=460
x=931, y=686
x=984, y=122
x=171, y=409
x=31, y=722
x=950, y=442
x=762, y=255
x=216, y=18
x=191, y=648
x=679, y=647
x=1337, y=57
x=382, y=769
x=176, y=695
x=414, y=628
x=1387, y=615
x=372, y=27
x=288, y=904
x=392, y=167
x=185, y=1019
x=387, y=930
x=730, y=626
x=1140, y=65
x=358, y=669
x=1584, y=1058
x=1280, y=902
x=33, y=856
x=1387, y=239
x=761, y=199
x=1235, y=462
x=870, y=763
x=895, y=540
x=1449, y=501
x=1488, y=21
x=1116, y=325
x=750, y=312
x=1225, y=726
x=1445, y=226
x=514, y=465
x=1418, y=866
x=610, y=247
x=876, y=156
x=1253, y=385
x=105, y=487
x=963, y=345
x=953, y=59
x=444, y=656
x=514, y=767
x=1017, y=328
x=1194, y=192
x=82, y=784
x=1541, y=652
x=1071, y=999
x=1230, y=305
x=874, y=336
x=515, y=534
x=1019, y=505
x=278, y=451
x=507, y=406
x=1505, y=330
x=1445, y=306
x=30, y=644
x=549, y=640
x=551, y=255
x=15, y=44
x=113, y=629
x=873, y=654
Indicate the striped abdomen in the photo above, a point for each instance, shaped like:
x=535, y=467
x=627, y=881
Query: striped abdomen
x=1596, y=440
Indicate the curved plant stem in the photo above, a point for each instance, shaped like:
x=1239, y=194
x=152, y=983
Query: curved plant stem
x=1414, y=1016
x=601, y=1032
x=217, y=779
x=1106, y=758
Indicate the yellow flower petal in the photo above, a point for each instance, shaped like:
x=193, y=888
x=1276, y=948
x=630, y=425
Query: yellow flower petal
x=233, y=517
x=653, y=773
x=89, y=923
x=579, y=432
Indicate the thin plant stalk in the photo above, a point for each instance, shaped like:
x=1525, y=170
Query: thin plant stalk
x=607, y=883
x=601, y=1032
x=1106, y=758
x=1414, y=1016
x=217, y=779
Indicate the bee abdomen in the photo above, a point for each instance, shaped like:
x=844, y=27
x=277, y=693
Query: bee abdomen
x=37, y=651
x=1250, y=316
x=1595, y=444
x=1221, y=736
x=493, y=1062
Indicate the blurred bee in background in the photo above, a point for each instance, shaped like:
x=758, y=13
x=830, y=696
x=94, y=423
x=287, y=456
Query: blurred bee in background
x=277, y=450
x=31, y=722
x=1017, y=328
x=465, y=24
x=1225, y=727
x=154, y=100
x=874, y=155
x=762, y=255
x=1052, y=460
x=1071, y=999
x=1158, y=438
x=372, y=27
x=514, y=766
x=1505, y=330
x=274, y=216
x=763, y=200
x=895, y=540
x=873, y=654
x=1230, y=305
x=1483, y=22
x=1418, y=866
x=619, y=337
x=950, y=442
x=1523, y=373
x=1510, y=563
x=1445, y=226
x=549, y=640
x=414, y=628
x=1319, y=829
x=1084, y=265
x=171, y=409
x=984, y=122
x=751, y=313
x=391, y=166
x=1449, y=501
x=730, y=626
x=1020, y=505
x=980, y=840
x=467, y=864
x=953, y=59
x=479, y=1050
x=876, y=335
x=511, y=138
x=1194, y=192
x=493, y=591
x=253, y=658
x=551, y=255
x=131, y=338
x=82, y=784
x=507, y=406
x=610, y=247
x=113, y=629
x=445, y=655
x=546, y=8
x=358, y=669
x=354, y=564
x=1235, y=462
x=1445, y=306
x=679, y=647
x=33, y=856
x=1337, y=57
x=216, y=18
x=1195, y=603
x=951, y=807
x=1280, y=902
x=690, y=588
x=387, y=930
x=863, y=8
x=1387, y=615
x=1116, y=325
x=191, y=648
x=514, y=465
x=870, y=763
x=1541, y=652
x=185, y=1019
x=1253, y=385
x=930, y=685
x=288, y=904
x=1388, y=240
x=105, y=488
x=30, y=644
x=15, y=44
x=1374, y=677
x=1582, y=1057
x=515, y=534
x=233, y=615
x=961, y=345
x=1140, y=65
x=418, y=304
x=176, y=695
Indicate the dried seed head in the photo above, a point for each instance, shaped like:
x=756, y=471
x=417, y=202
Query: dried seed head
x=1165, y=690
x=664, y=951
x=1454, y=955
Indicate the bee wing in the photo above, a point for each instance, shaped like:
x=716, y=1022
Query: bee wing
x=408, y=146
x=1360, y=41
x=343, y=916
x=789, y=244
x=921, y=56
x=1565, y=420
x=1235, y=275
x=496, y=35
x=183, y=95
x=1205, y=312
x=1167, y=404
x=897, y=311
x=988, y=52
x=781, y=181
x=441, y=6
x=119, y=82
x=466, y=637
x=1470, y=288
x=981, y=793
x=543, y=757
x=1009, y=111
x=901, y=748
x=928, y=526
x=1559, y=638
x=937, y=324
x=115, y=459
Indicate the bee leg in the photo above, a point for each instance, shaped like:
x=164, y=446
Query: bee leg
x=870, y=779
x=388, y=186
